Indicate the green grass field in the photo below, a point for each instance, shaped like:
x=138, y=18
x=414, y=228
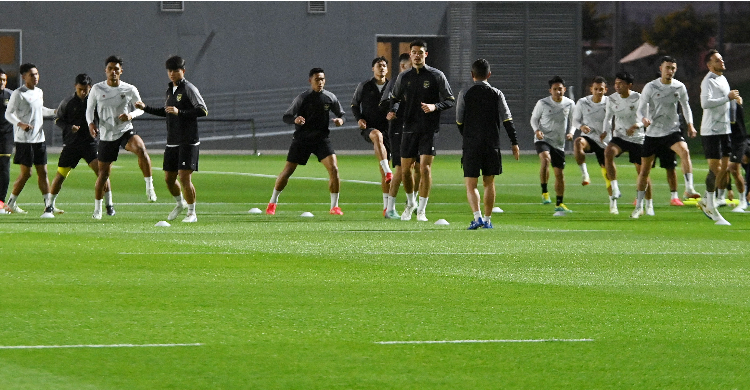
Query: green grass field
x=585, y=301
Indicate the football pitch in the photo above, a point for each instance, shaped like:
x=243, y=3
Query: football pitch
x=239, y=301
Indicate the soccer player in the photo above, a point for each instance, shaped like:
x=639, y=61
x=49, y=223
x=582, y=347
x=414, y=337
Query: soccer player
x=588, y=116
x=657, y=110
x=112, y=100
x=6, y=141
x=627, y=136
x=552, y=126
x=310, y=114
x=371, y=119
x=739, y=148
x=715, y=129
x=183, y=107
x=77, y=144
x=480, y=110
x=26, y=112
x=425, y=92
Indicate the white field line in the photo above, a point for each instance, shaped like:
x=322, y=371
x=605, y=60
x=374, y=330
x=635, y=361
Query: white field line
x=483, y=341
x=424, y=253
x=97, y=346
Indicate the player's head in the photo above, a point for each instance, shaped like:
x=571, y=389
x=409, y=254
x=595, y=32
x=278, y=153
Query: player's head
x=480, y=70
x=598, y=87
x=404, y=61
x=714, y=61
x=83, y=85
x=623, y=82
x=417, y=52
x=30, y=74
x=3, y=79
x=113, y=68
x=380, y=67
x=175, y=68
x=667, y=68
x=557, y=88
x=317, y=78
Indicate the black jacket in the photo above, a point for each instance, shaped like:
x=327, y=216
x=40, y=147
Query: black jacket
x=182, y=129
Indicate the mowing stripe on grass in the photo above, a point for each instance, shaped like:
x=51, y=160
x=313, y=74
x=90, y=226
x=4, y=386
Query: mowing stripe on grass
x=483, y=341
x=97, y=346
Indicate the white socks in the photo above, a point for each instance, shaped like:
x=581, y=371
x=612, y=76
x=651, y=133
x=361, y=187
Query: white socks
x=422, y=204
x=487, y=218
x=477, y=215
x=384, y=165
x=674, y=195
x=98, y=206
x=385, y=200
x=410, y=200
x=639, y=199
x=615, y=187
x=149, y=182
x=108, y=198
x=52, y=198
x=275, y=196
x=334, y=199
x=47, y=199
x=584, y=171
x=391, y=206
x=689, y=181
x=11, y=200
x=191, y=208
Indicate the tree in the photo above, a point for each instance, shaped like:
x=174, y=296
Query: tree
x=594, y=27
x=682, y=34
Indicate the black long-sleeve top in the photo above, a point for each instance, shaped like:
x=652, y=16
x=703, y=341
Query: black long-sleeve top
x=737, y=119
x=315, y=107
x=5, y=126
x=479, y=112
x=72, y=112
x=416, y=86
x=366, y=104
x=182, y=129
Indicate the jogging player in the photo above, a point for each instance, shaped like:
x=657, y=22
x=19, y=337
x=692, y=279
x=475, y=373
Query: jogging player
x=588, y=116
x=739, y=148
x=6, y=141
x=182, y=108
x=310, y=114
x=480, y=111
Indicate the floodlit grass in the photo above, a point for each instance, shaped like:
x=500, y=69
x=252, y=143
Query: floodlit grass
x=300, y=303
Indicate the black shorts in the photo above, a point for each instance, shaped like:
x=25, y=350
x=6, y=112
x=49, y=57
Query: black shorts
x=716, y=146
x=596, y=149
x=484, y=159
x=558, y=156
x=300, y=151
x=633, y=149
x=414, y=145
x=365, y=133
x=667, y=159
x=180, y=158
x=739, y=149
x=6, y=143
x=657, y=146
x=394, y=137
x=108, y=150
x=72, y=154
x=29, y=154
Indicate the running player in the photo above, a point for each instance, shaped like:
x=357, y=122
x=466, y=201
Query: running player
x=26, y=112
x=183, y=107
x=77, y=144
x=395, y=127
x=588, y=116
x=310, y=114
x=112, y=101
x=371, y=119
x=739, y=148
x=6, y=141
x=657, y=110
x=552, y=126
x=715, y=129
x=425, y=92
x=479, y=112
x=627, y=136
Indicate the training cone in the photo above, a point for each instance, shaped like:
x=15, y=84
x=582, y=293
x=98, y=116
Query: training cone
x=497, y=210
x=441, y=222
x=254, y=210
x=307, y=214
x=559, y=214
x=163, y=224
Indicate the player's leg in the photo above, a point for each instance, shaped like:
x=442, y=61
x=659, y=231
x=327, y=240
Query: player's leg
x=109, y=205
x=136, y=146
x=489, y=199
x=559, y=187
x=722, y=179
x=390, y=210
x=188, y=190
x=105, y=169
x=381, y=153
x=334, y=182
x=279, y=185
x=472, y=195
x=642, y=184
x=734, y=171
x=23, y=176
x=409, y=154
x=6, y=149
x=610, y=153
x=544, y=163
x=425, y=184
x=686, y=164
x=580, y=147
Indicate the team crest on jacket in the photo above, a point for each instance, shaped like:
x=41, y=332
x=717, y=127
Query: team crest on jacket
x=5, y=102
x=179, y=97
x=326, y=107
x=122, y=96
x=426, y=84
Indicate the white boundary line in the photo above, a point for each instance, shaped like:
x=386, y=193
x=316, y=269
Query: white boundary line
x=482, y=341
x=97, y=346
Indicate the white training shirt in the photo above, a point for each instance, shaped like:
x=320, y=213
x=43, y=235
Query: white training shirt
x=624, y=110
x=110, y=103
x=27, y=106
x=553, y=120
x=715, y=104
x=659, y=104
x=591, y=114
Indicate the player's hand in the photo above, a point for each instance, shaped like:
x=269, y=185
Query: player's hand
x=299, y=120
x=93, y=130
x=24, y=126
x=602, y=136
x=172, y=110
x=539, y=134
x=391, y=116
x=338, y=121
x=631, y=130
x=585, y=129
x=362, y=124
x=646, y=122
x=691, y=131
x=125, y=117
x=569, y=136
x=427, y=108
x=516, y=151
x=733, y=94
x=75, y=128
x=140, y=105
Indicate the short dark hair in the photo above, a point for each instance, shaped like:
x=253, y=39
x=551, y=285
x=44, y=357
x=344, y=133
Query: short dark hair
x=480, y=68
x=314, y=71
x=175, y=63
x=404, y=57
x=626, y=77
x=27, y=67
x=114, y=59
x=379, y=59
x=419, y=43
x=83, y=79
x=599, y=80
x=710, y=53
x=667, y=59
x=555, y=80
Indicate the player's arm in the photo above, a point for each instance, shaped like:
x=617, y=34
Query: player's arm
x=338, y=110
x=290, y=115
x=60, y=120
x=535, y=121
x=395, y=95
x=507, y=120
x=446, y=94
x=90, y=113
x=134, y=97
x=577, y=116
x=687, y=113
x=709, y=96
x=10, y=112
x=460, y=110
x=608, y=125
x=356, y=106
x=198, y=108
